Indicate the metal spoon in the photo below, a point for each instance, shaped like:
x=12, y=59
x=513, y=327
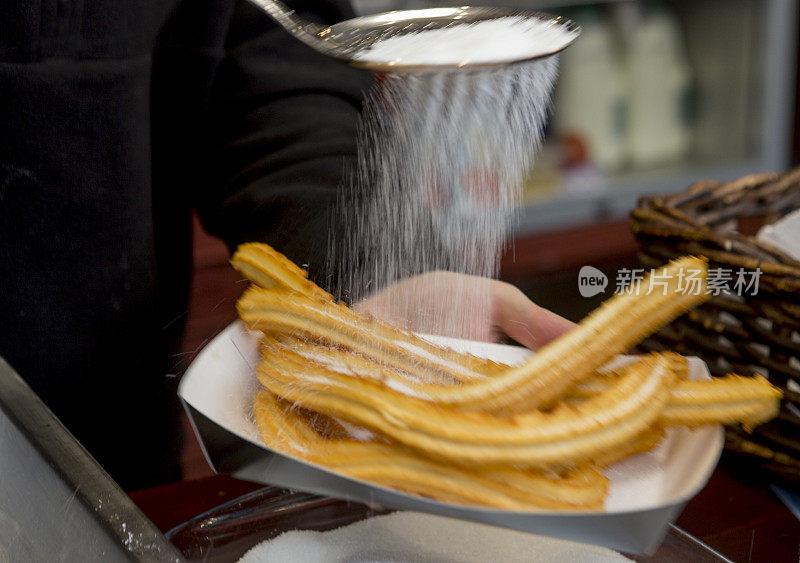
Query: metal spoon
x=343, y=40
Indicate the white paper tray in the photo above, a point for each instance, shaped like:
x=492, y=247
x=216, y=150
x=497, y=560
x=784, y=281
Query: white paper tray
x=647, y=491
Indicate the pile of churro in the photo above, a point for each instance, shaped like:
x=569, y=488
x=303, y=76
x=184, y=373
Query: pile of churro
x=374, y=402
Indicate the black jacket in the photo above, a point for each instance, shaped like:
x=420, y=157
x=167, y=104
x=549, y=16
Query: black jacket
x=116, y=118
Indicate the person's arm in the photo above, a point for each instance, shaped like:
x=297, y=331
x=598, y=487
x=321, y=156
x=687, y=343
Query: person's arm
x=283, y=129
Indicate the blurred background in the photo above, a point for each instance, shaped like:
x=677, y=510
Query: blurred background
x=654, y=96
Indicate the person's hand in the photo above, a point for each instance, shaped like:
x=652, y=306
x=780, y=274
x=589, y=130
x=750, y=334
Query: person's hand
x=463, y=306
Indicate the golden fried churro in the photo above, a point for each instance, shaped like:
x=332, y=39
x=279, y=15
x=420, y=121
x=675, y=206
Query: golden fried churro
x=270, y=269
x=603, y=377
x=534, y=383
x=391, y=465
x=723, y=400
x=564, y=436
x=283, y=312
x=643, y=442
x=726, y=400
x=375, y=402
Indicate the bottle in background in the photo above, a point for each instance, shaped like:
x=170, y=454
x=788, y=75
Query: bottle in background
x=658, y=79
x=590, y=95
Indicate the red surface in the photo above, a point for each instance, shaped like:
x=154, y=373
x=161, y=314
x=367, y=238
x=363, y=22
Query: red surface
x=738, y=515
x=212, y=299
x=568, y=249
x=170, y=505
x=742, y=520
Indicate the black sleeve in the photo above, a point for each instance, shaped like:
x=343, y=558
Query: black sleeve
x=283, y=128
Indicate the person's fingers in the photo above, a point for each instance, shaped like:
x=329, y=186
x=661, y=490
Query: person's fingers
x=456, y=305
x=522, y=320
x=439, y=302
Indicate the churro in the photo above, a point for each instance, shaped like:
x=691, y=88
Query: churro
x=535, y=383
x=726, y=400
x=378, y=403
x=394, y=466
x=563, y=436
x=723, y=400
x=642, y=442
x=266, y=267
x=269, y=269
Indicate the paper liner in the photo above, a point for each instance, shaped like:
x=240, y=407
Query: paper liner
x=647, y=491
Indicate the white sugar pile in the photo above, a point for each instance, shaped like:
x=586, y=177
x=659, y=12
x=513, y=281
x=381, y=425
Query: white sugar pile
x=497, y=40
x=442, y=160
x=409, y=536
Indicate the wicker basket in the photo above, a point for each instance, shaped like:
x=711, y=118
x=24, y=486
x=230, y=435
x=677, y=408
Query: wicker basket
x=748, y=334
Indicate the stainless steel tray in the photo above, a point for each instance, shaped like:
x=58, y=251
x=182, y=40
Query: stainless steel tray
x=56, y=502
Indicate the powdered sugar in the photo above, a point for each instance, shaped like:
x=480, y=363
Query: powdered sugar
x=497, y=40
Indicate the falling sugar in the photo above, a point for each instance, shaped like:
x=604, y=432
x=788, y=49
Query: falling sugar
x=442, y=158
